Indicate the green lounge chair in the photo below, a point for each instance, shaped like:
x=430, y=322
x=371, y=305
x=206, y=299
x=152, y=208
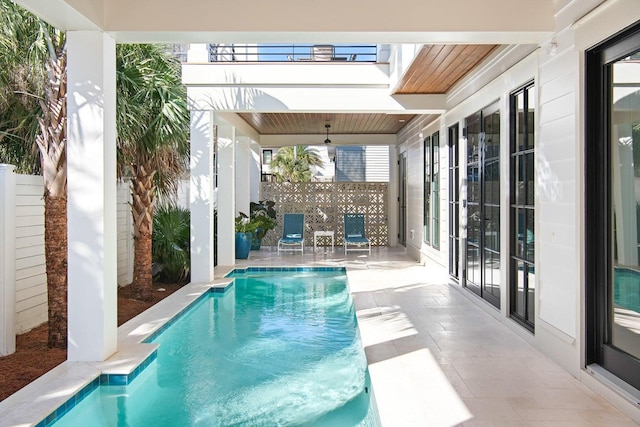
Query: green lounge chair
x=355, y=238
x=292, y=233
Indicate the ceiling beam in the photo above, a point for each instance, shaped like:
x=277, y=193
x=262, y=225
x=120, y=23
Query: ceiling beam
x=247, y=21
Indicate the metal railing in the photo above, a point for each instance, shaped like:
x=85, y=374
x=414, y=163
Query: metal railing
x=234, y=52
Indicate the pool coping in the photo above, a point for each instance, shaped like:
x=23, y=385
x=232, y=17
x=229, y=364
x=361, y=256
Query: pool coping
x=29, y=406
x=69, y=382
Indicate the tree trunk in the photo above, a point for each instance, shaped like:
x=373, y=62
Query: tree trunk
x=142, y=278
x=51, y=142
x=142, y=211
x=55, y=240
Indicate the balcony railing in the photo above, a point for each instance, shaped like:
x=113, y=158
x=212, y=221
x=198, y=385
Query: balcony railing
x=292, y=53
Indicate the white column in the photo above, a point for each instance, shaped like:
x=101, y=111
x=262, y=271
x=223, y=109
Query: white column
x=624, y=197
x=91, y=180
x=255, y=178
x=226, y=194
x=7, y=260
x=202, y=182
x=198, y=52
x=243, y=174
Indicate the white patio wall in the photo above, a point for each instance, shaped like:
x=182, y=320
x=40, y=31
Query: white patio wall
x=31, y=276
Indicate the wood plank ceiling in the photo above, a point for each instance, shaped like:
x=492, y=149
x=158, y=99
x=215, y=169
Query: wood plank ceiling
x=435, y=70
x=314, y=123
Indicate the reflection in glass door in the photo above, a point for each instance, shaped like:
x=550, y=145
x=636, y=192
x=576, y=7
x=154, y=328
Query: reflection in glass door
x=483, y=205
x=454, y=205
x=613, y=206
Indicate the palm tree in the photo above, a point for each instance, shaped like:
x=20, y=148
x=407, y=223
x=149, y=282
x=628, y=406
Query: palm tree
x=41, y=76
x=22, y=78
x=291, y=164
x=153, y=141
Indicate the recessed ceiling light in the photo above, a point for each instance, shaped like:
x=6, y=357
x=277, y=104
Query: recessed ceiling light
x=402, y=120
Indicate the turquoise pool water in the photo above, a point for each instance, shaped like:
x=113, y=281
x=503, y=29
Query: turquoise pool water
x=276, y=349
x=626, y=289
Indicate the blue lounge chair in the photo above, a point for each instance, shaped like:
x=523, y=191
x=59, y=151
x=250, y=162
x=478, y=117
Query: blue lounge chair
x=292, y=233
x=355, y=238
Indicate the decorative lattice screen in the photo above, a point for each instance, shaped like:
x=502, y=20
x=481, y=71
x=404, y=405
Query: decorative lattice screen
x=324, y=205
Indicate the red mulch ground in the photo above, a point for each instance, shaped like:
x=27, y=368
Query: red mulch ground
x=33, y=358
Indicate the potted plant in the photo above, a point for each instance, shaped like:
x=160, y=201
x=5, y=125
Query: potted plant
x=243, y=236
x=262, y=218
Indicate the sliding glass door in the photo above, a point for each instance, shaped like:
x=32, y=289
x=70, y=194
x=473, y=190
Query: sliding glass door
x=454, y=203
x=482, y=245
x=612, y=231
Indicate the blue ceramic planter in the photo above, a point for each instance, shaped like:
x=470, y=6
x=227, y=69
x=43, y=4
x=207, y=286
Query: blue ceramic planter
x=243, y=245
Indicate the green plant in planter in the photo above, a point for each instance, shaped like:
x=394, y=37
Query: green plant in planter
x=242, y=223
x=261, y=219
x=263, y=215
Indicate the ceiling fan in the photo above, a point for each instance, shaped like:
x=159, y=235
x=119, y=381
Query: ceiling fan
x=327, y=141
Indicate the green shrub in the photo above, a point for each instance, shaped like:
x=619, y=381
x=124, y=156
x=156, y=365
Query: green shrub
x=171, y=245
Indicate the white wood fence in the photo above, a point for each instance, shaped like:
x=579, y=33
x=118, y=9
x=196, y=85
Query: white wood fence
x=23, y=279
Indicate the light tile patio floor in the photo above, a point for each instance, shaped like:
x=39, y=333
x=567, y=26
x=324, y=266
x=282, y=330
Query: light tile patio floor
x=435, y=357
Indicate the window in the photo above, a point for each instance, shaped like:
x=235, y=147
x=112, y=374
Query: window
x=454, y=202
x=426, y=235
x=522, y=207
x=431, y=222
x=266, y=157
x=435, y=189
x=350, y=164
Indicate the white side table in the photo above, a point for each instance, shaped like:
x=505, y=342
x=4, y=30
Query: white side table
x=323, y=233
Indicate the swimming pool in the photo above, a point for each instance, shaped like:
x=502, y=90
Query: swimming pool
x=626, y=290
x=279, y=348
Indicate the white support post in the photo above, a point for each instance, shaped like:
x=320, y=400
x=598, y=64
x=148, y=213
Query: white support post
x=243, y=175
x=7, y=260
x=624, y=198
x=255, y=165
x=226, y=194
x=202, y=182
x=198, y=52
x=91, y=184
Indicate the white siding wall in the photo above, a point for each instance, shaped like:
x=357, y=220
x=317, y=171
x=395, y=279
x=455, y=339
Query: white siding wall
x=559, y=154
x=31, y=278
x=411, y=142
x=377, y=163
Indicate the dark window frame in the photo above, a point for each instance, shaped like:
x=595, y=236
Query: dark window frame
x=599, y=254
x=267, y=156
x=518, y=158
x=435, y=190
x=426, y=208
x=431, y=190
x=454, y=201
